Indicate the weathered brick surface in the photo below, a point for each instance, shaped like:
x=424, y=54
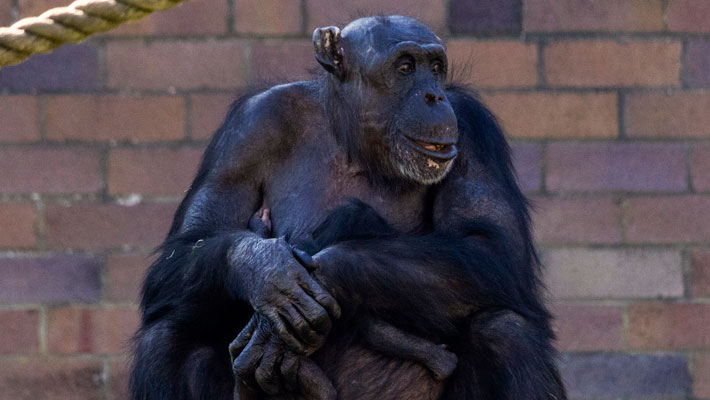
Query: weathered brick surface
x=118, y=378
x=527, y=160
x=269, y=64
x=54, y=379
x=115, y=117
x=577, y=221
x=124, y=276
x=325, y=13
x=700, y=167
x=80, y=330
x=68, y=67
x=585, y=273
x=33, y=8
x=701, y=387
x=49, y=279
x=607, y=63
x=18, y=222
x=492, y=63
x=688, y=16
x=5, y=12
x=599, y=15
x=49, y=170
x=485, y=16
x=608, y=167
x=538, y=115
x=625, y=376
x=177, y=64
x=700, y=275
x=152, y=171
x=113, y=329
x=669, y=326
x=268, y=17
x=697, y=63
x=207, y=112
x=668, y=219
x=20, y=119
x=92, y=226
x=20, y=332
x=197, y=18
x=674, y=115
x=585, y=328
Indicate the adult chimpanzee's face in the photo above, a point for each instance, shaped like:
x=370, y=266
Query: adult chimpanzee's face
x=394, y=70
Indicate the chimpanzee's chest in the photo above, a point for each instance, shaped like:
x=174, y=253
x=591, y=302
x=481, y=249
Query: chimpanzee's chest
x=318, y=179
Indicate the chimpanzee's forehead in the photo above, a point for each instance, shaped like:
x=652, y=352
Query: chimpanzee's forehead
x=380, y=33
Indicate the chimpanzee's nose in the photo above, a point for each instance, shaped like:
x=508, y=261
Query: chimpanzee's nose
x=432, y=98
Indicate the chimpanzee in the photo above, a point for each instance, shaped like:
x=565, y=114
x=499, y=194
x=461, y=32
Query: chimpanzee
x=458, y=268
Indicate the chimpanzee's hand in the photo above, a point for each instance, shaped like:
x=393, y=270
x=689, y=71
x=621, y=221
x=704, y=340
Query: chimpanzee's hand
x=282, y=290
x=261, y=362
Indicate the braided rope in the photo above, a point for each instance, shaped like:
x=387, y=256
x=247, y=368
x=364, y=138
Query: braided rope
x=70, y=24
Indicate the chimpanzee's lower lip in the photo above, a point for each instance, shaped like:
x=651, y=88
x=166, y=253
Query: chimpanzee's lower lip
x=438, y=150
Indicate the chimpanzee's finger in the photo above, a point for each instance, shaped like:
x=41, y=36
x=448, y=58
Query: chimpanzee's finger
x=305, y=259
x=279, y=326
x=289, y=371
x=243, y=338
x=304, y=330
x=245, y=364
x=320, y=295
x=313, y=383
x=267, y=373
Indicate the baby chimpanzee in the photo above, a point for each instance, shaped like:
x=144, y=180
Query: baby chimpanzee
x=359, y=221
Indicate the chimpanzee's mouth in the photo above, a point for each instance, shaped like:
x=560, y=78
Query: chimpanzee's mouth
x=441, y=150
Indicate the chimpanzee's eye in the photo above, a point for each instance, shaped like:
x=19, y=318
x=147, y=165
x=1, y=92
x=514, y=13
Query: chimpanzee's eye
x=437, y=68
x=405, y=65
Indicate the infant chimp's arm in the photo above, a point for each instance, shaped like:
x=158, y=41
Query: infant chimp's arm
x=359, y=220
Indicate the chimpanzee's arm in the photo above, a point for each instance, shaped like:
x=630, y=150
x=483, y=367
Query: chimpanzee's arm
x=212, y=273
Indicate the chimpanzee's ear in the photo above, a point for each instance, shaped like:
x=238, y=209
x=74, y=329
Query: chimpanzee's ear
x=329, y=54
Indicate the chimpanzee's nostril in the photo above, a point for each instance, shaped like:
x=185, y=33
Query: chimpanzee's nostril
x=432, y=98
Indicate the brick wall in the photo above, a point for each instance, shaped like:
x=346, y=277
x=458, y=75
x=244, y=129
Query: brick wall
x=606, y=103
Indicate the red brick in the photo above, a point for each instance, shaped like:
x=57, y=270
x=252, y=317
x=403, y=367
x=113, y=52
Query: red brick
x=173, y=64
x=609, y=166
x=268, y=62
x=124, y=276
x=19, y=332
x=33, y=8
x=49, y=170
x=268, y=17
x=599, y=15
x=701, y=386
x=20, y=120
x=700, y=167
x=152, y=171
x=700, y=275
x=585, y=273
x=606, y=63
x=49, y=279
x=188, y=18
x=540, y=115
x=678, y=114
x=119, y=372
x=565, y=221
x=6, y=12
x=585, y=328
x=70, y=331
x=669, y=326
x=207, y=112
x=527, y=159
x=493, y=63
x=324, y=13
x=86, y=225
x=51, y=379
x=677, y=219
x=688, y=16
x=114, y=328
x=81, y=330
x=18, y=225
x=115, y=117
